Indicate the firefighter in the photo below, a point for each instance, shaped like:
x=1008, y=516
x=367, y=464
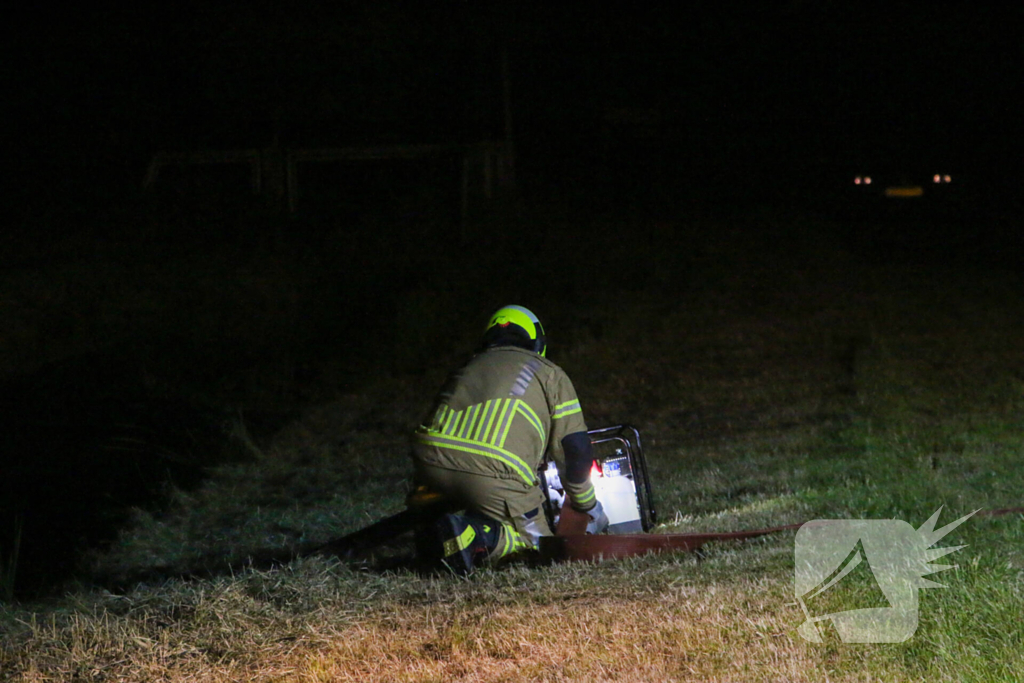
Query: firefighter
x=482, y=443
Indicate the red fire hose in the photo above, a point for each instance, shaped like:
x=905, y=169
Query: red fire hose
x=571, y=543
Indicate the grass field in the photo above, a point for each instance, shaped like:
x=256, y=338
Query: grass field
x=776, y=376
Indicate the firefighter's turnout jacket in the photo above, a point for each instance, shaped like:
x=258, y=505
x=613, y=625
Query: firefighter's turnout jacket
x=489, y=429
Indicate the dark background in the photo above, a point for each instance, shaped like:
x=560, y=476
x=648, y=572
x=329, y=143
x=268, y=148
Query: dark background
x=768, y=97
x=621, y=115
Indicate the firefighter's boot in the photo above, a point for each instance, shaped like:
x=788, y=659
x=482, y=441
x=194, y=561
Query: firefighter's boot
x=461, y=543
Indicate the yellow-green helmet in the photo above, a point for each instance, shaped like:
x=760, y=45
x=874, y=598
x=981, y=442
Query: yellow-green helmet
x=516, y=326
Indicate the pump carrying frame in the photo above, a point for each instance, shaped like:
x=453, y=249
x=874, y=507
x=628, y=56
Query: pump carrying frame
x=625, y=441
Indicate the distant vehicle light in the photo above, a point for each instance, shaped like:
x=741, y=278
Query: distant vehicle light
x=936, y=178
x=857, y=180
x=946, y=179
x=867, y=181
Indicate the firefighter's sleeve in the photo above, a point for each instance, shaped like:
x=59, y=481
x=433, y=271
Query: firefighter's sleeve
x=579, y=457
x=569, y=443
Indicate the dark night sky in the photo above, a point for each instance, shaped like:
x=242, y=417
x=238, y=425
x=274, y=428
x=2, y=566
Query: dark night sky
x=108, y=88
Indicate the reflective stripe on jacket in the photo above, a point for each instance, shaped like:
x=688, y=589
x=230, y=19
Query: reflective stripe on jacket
x=499, y=414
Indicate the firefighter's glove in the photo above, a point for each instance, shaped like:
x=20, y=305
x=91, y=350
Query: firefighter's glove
x=598, y=519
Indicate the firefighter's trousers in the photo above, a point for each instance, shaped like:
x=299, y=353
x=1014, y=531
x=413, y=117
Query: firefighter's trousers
x=510, y=502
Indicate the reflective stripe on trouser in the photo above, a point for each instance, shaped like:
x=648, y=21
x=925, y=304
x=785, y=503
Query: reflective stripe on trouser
x=506, y=501
x=512, y=541
x=509, y=543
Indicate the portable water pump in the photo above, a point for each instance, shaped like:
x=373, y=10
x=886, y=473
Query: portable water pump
x=620, y=479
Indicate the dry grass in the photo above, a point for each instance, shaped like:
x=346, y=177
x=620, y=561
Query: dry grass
x=730, y=618
x=325, y=623
x=771, y=385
